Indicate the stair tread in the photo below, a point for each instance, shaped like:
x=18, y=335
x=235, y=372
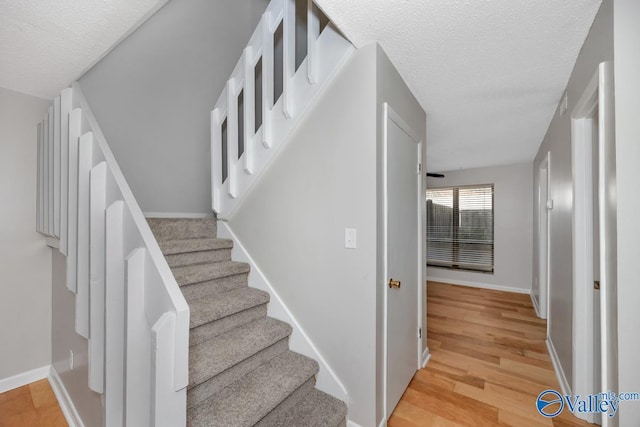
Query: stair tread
x=218, y=306
x=318, y=409
x=202, y=272
x=249, y=399
x=178, y=246
x=220, y=353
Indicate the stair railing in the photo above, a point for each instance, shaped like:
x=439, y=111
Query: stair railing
x=128, y=304
x=269, y=90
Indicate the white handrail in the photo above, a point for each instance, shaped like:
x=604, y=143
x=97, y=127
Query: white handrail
x=235, y=172
x=128, y=303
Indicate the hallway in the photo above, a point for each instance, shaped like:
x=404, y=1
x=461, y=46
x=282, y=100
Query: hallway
x=488, y=364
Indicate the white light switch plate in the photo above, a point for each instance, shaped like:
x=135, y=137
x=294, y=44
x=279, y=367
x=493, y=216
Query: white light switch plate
x=350, y=238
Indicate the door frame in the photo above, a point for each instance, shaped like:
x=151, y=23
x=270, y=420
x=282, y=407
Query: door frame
x=597, y=95
x=542, y=306
x=389, y=114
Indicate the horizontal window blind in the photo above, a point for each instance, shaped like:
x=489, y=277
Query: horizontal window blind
x=460, y=228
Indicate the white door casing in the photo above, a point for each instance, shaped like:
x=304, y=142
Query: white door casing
x=596, y=103
x=540, y=291
x=402, y=255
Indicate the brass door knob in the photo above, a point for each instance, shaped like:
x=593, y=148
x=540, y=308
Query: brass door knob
x=394, y=283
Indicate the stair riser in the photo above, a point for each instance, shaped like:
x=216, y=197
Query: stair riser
x=271, y=419
x=202, y=257
x=204, y=332
x=204, y=390
x=203, y=289
x=185, y=228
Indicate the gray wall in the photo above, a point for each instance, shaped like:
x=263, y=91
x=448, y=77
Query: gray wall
x=627, y=82
x=65, y=339
x=25, y=261
x=513, y=226
x=153, y=93
x=391, y=88
x=292, y=223
x=597, y=48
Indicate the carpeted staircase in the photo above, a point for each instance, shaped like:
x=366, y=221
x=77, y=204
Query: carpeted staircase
x=241, y=371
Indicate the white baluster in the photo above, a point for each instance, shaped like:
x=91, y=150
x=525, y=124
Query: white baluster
x=114, y=395
x=267, y=78
x=85, y=163
x=98, y=195
x=56, y=166
x=138, y=343
x=313, y=32
x=168, y=407
x=65, y=109
x=75, y=129
x=38, y=181
x=216, y=160
x=249, y=108
x=232, y=137
x=289, y=57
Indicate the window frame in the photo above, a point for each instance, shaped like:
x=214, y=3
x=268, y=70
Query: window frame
x=456, y=195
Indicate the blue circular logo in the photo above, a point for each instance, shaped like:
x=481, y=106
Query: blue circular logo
x=549, y=403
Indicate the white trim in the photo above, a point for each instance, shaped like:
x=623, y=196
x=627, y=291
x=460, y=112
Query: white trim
x=177, y=215
x=479, y=285
x=24, y=378
x=352, y=424
x=327, y=380
x=535, y=306
x=426, y=356
x=64, y=400
x=557, y=367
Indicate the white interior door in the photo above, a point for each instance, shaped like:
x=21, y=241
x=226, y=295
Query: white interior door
x=403, y=156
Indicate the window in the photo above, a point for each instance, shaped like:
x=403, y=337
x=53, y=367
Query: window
x=460, y=228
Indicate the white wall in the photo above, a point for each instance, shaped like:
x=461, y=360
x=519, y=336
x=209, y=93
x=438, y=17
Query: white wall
x=153, y=93
x=627, y=82
x=25, y=260
x=292, y=224
x=513, y=226
x=598, y=47
x=65, y=339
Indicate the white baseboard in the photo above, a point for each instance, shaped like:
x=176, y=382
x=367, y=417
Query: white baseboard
x=479, y=285
x=327, y=380
x=177, y=215
x=64, y=400
x=557, y=367
x=426, y=356
x=535, y=306
x=352, y=424
x=24, y=378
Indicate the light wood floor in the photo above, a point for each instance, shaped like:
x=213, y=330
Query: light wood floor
x=33, y=405
x=488, y=363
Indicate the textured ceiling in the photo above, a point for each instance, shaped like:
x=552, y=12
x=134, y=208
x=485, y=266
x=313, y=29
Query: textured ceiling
x=46, y=44
x=489, y=73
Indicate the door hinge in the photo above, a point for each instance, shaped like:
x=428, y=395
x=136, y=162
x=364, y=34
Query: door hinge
x=419, y=168
x=419, y=332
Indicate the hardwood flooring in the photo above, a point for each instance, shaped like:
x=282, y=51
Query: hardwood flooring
x=488, y=364
x=32, y=405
